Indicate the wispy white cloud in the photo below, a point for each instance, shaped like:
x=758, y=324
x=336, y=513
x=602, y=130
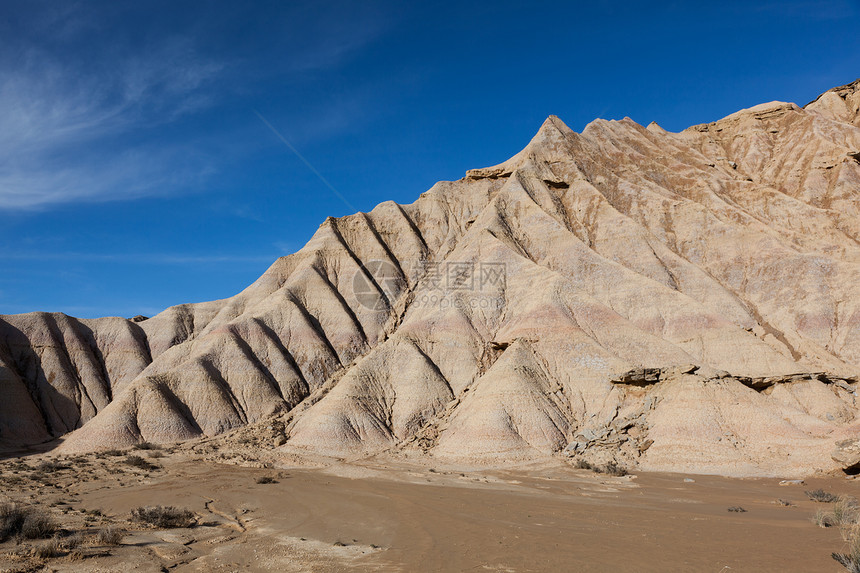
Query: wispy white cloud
x=47, y=104
x=126, y=175
x=68, y=135
x=80, y=123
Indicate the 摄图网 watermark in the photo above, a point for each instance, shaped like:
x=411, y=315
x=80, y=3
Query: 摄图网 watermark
x=446, y=284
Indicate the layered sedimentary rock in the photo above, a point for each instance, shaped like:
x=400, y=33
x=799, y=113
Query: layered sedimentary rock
x=684, y=301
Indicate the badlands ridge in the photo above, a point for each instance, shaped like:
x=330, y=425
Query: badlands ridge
x=669, y=301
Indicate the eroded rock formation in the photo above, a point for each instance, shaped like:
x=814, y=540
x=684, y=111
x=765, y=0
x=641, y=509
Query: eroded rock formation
x=505, y=315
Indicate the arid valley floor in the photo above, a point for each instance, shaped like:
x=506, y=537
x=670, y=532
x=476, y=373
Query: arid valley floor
x=395, y=515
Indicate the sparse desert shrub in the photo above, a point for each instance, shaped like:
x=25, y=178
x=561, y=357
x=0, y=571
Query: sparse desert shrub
x=266, y=479
x=51, y=466
x=147, y=446
x=38, y=474
x=613, y=469
x=37, y=525
x=823, y=518
x=25, y=521
x=845, y=511
x=48, y=549
x=164, y=517
x=821, y=496
x=784, y=502
x=139, y=462
x=74, y=541
x=112, y=453
x=11, y=519
x=110, y=535
x=851, y=559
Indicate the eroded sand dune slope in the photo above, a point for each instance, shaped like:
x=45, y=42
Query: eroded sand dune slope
x=500, y=316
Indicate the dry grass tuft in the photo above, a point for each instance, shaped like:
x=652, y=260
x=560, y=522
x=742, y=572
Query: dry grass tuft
x=823, y=518
x=164, y=517
x=38, y=525
x=851, y=558
x=110, y=535
x=139, y=462
x=49, y=549
x=845, y=515
x=613, y=469
x=581, y=464
x=24, y=521
x=147, y=446
x=821, y=496
x=51, y=466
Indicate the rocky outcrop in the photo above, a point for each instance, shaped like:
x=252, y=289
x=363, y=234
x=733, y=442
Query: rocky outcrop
x=847, y=455
x=649, y=376
x=490, y=319
x=57, y=372
x=840, y=104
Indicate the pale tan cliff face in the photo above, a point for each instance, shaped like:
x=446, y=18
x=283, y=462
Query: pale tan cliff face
x=488, y=320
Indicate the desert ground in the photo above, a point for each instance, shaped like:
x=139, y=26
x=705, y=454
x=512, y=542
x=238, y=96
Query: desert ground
x=402, y=515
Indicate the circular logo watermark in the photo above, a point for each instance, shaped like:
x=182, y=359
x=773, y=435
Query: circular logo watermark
x=375, y=284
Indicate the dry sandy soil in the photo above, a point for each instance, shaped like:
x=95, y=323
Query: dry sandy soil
x=391, y=515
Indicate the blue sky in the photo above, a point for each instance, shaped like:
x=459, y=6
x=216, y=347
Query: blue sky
x=138, y=169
